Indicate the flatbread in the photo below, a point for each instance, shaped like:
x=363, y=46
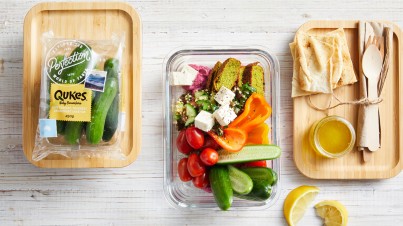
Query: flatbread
x=296, y=90
x=316, y=66
x=337, y=59
x=321, y=63
x=348, y=75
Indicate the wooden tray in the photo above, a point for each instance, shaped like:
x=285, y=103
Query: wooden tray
x=386, y=162
x=91, y=21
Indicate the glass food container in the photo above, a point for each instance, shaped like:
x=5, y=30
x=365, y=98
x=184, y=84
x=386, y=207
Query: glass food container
x=183, y=195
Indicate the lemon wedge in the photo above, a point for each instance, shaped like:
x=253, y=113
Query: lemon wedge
x=297, y=201
x=333, y=212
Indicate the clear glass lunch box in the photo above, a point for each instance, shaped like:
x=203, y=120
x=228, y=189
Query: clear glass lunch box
x=183, y=195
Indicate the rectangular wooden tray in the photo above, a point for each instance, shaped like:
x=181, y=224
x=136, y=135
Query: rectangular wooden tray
x=386, y=162
x=84, y=21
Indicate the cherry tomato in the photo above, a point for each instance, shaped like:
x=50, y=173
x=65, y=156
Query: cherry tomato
x=201, y=181
x=209, y=142
x=261, y=163
x=182, y=144
x=209, y=156
x=195, y=165
x=195, y=137
x=183, y=170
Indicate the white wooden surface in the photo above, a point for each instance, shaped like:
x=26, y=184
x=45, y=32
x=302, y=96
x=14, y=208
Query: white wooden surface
x=133, y=195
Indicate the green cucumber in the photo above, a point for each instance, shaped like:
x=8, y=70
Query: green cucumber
x=261, y=173
x=190, y=110
x=73, y=132
x=75, y=74
x=263, y=180
x=261, y=191
x=240, y=181
x=249, y=153
x=221, y=186
x=111, y=66
x=190, y=120
x=191, y=113
x=100, y=108
x=61, y=127
x=112, y=117
x=111, y=121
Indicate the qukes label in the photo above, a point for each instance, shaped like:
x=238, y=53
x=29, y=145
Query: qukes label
x=70, y=103
x=71, y=95
x=67, y=62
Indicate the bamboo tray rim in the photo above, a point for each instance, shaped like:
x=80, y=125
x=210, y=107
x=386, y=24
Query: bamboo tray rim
x=353, y=24
x=136, y=120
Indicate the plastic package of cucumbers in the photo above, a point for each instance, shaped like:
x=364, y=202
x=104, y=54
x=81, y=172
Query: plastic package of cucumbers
x=80, y=99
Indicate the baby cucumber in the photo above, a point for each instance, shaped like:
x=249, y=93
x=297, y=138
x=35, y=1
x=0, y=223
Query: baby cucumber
x=221, y=186
x=262, y=173
x=249, y=153
x=112, y=117
x=100, y=108
x=111, y=66
x=111, y=122
x=263, y=180
x=72, y=75
x=241, y=183
x=261, y=191
x=73, y=131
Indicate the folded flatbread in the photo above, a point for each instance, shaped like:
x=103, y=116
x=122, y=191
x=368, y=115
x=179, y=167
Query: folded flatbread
x=296, y=89
x=321, y=63
x=316, y=66
x=348, y=75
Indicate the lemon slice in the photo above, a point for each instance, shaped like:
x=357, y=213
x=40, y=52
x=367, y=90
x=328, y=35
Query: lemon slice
x=297, y=201
x=333, y=212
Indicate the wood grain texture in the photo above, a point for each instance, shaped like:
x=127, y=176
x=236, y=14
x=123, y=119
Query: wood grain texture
x=387, y=161
x=133, y=195
x=83, y=21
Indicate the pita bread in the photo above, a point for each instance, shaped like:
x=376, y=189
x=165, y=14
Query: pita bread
x=348, y=74
x=321, y=63
x=315, y=58
x=296, y=90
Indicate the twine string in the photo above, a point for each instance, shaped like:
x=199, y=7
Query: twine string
x=363, y=101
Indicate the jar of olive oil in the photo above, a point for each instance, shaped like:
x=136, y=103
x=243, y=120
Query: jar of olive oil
x=332, y=136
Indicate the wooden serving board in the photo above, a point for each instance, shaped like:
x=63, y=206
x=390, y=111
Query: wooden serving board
x=384, y=163
x=84, y=21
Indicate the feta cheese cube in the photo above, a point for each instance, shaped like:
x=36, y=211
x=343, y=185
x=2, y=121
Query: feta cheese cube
x=189, y=72
x=185, y=77
x=180, y=79
x=204, y=121
x=224, y=115
x=224, y=96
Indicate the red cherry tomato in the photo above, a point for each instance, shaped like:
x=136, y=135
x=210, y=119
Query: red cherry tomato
x=183, y=170
x=209, y=156
x=261, y=163
x=201, y=181
x=195, y=165
x=182, y=144
x=195, y=137
x=209, y=142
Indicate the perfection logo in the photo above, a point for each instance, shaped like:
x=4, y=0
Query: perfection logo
x=67, y=62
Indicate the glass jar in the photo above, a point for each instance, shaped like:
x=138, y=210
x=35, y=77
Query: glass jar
x=332, y=136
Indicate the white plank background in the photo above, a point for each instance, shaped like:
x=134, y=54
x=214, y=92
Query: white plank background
x=133, y=195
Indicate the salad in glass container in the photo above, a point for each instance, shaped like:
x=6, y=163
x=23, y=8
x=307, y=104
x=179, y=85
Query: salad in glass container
x=220, y=121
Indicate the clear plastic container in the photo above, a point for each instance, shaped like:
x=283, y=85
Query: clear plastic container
x=183, y=195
